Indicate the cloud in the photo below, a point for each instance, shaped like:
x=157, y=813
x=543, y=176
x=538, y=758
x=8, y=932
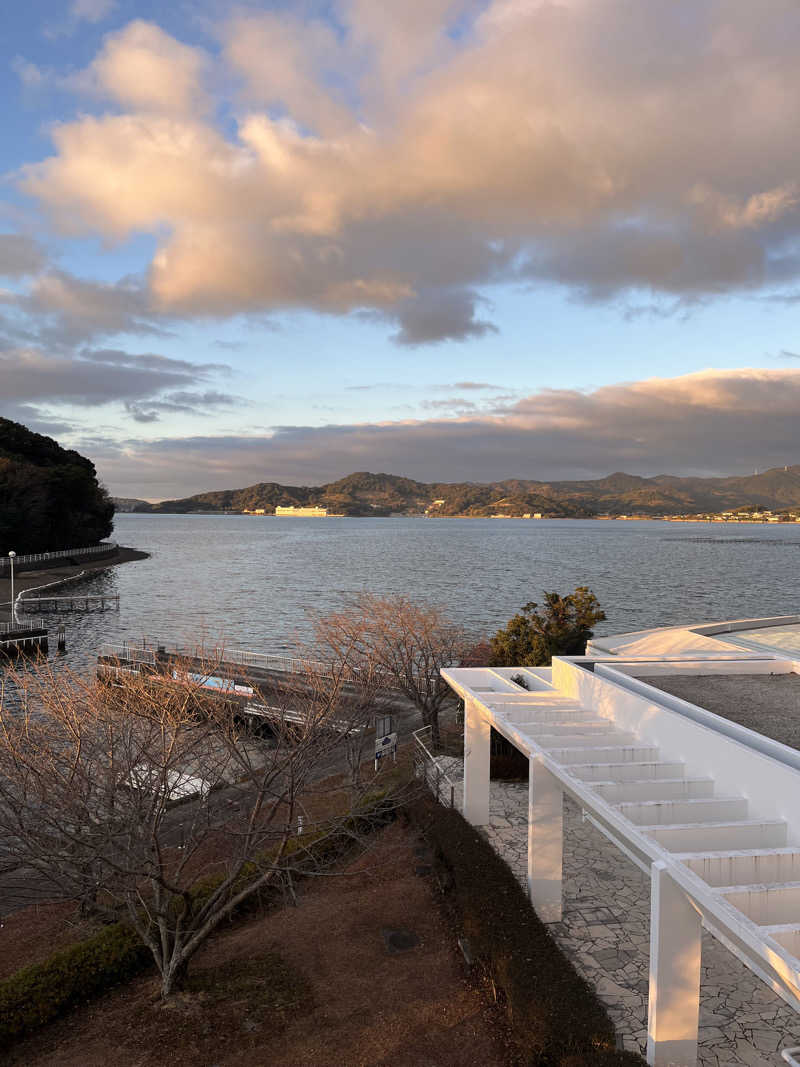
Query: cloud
x=182, y=402
x=91, y=10
x=143, y=68
x=397, y=159
x=36, y=418
x=707, y=423
x=150, y=361
x=62, y=309
x=30, y=75
x=437, y=316
x=103, y=376
x=20, y=256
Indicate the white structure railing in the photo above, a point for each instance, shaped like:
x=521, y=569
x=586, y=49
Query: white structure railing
x=41, y=557
x=128, y=653
x=713, y=821
x=430, y=768
x=267, y=660
x=16, y=627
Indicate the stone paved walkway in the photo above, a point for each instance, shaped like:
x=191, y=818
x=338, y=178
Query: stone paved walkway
x=605, y=932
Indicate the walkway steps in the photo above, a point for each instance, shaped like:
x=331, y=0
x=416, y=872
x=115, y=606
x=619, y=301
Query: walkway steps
x=592, y=728
x=634, y=793
x=606, y=754
x=745, y=867
x=742, y=833
x=693, y=810
x=632, y=770
x=525, y=714
x=787, y=935
x=766, y=904
x=581, y=740
x=654, y=789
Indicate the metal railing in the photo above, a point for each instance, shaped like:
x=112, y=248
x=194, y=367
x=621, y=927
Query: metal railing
x=15, y=627
x=428, y=767
x=271, y=661
x=41, y=557
x=267, y=660
x=128, y=654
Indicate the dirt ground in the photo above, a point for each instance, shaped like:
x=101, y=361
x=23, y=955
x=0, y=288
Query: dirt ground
x=766, y=703
x=32, y=934
x=350, y=996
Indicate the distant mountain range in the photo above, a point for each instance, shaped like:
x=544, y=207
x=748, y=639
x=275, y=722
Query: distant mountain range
x=618, y=494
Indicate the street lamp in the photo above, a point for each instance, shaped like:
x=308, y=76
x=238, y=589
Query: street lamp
x=12, y=556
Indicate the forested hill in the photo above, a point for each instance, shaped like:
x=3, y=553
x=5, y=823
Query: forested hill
x=618, y=494
x=49, y=496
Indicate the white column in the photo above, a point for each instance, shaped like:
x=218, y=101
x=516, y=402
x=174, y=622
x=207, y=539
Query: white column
x=545, y=841
x=674, y=1005
x=477, y=734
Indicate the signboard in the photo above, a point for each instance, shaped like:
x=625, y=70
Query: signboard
x=385, y=746
x=385, y=724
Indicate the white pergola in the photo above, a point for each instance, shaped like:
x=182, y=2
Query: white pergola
x=710, y=810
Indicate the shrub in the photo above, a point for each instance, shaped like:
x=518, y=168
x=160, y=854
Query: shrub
x=555, y=1016
x=37, y=994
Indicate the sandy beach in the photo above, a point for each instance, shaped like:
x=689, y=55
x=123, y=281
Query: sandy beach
x=29, y=579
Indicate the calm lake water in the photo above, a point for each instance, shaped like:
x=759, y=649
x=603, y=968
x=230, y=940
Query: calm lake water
x=257, y=582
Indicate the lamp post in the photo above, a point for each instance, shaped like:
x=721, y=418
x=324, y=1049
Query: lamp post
x=12, y=556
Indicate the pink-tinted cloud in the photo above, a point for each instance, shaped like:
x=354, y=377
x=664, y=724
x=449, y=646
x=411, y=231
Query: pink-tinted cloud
x=398, y=159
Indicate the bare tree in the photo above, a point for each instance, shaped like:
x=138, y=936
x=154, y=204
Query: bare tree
x=150, y=800
x=402, y=643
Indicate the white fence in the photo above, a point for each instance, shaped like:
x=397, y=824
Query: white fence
x=43, y=557
x=16, y=627
x=128, y=654
x=268, y=661
x=431, y=768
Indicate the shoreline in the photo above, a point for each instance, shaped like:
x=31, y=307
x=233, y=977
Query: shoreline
x=51, y=575
x=706, y=519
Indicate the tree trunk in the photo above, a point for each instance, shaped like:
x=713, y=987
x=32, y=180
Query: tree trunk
x=173, y=977
x=433, y=721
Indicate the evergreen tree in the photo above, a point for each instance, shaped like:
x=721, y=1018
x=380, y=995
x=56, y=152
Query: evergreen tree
x=560, y=627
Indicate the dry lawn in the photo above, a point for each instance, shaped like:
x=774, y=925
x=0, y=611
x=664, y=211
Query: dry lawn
x=311, y=985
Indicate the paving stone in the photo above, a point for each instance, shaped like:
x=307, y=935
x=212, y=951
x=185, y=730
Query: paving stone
x=605, y=931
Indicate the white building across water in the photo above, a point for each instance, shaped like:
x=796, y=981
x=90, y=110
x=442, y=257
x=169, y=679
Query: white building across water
x=676, y=752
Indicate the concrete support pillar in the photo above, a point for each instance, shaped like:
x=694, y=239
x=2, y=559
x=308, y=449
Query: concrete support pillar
x=477, y=736
x=674, y=1005
x=545, y=841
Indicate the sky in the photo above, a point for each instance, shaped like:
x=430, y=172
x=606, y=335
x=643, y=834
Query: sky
x=453, y=240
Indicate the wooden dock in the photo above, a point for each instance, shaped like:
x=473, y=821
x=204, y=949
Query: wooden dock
x=76, y=602
x=22, y=639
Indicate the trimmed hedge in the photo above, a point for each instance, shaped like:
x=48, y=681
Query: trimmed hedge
x=555, y=1016
x=40, y=993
